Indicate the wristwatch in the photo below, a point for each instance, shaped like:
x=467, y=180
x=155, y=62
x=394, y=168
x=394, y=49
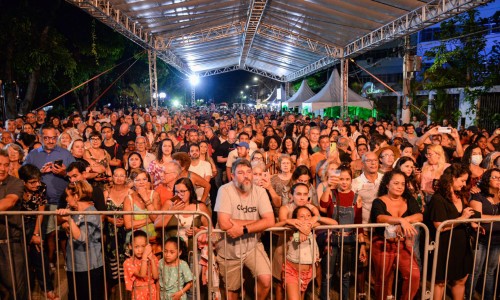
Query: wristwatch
x=245, y=229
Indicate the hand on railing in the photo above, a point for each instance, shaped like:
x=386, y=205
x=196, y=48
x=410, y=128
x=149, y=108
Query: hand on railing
x=407, y=229
x=235, y=231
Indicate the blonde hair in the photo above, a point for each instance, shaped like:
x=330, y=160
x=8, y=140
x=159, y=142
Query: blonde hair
x=438, y=149
x=81, y=188
x=16, y=148
x=328, y=165
x=59, y=138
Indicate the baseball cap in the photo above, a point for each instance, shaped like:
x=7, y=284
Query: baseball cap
x=243, y=144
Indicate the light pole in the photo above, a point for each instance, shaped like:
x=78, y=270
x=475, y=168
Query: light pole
x=193, y=80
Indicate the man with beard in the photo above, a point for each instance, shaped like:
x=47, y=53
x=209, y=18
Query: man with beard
x=200, y=167
x=243, y=209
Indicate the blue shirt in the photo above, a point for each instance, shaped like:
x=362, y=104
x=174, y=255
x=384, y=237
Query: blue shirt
x=90, y=239
x=55, y=184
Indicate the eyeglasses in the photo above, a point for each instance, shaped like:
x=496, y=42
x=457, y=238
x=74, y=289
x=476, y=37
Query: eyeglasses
x=181, y=191
x=50, y=138
x=140, y=179
x=95, y=139
x=495, y=177
x=368, y=161
x=388, y=155
x=258, y=158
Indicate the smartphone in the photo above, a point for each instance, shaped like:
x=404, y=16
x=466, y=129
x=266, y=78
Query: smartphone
x=476, y=215
x=336, y=173
x=175, y=199
x=333, y=147
x=58, y=162
x=444, y=129
x=265, y=175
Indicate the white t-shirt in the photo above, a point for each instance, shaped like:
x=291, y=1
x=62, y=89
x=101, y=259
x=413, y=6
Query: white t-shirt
x=368, y=192
x=203, y=169
x=253, y=207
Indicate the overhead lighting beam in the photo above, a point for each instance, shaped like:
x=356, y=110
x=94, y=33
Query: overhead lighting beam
x=294, y=39
x=256, y=11
x=202, y=36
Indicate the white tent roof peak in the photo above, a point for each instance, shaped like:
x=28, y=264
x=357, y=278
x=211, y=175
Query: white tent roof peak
x=303, y=93
x=330, y=95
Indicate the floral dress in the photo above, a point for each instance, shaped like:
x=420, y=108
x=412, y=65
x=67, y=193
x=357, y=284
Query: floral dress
x=173, y=279
x=155, y=170
x=115, y=243
x=141, y=288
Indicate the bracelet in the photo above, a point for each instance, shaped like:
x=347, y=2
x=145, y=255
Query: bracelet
x=36, y=234
x=319, y=218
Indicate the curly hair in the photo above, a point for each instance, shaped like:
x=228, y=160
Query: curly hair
x=383, y=190
x=412, y=183
x=446, y=181
x=267, y=139
x=283, y=144
x=484, y=184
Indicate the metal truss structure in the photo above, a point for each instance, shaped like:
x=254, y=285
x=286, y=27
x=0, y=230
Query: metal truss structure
x=203, y=36
x=104, y=11
x=429, y=14
x=321, y=64
x=284, y=40
x=257, y=8
x=290, y=38
x=153, y=80
x=263, y=73
x=218, y=71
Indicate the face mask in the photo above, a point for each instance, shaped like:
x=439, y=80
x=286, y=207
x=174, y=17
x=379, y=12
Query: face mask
x=476, y=159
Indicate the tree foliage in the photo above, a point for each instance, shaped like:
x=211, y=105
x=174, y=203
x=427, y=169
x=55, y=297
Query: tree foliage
x=461, y=60
x=50, y=46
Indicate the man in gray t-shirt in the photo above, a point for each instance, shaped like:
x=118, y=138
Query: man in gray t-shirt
x=244, y=210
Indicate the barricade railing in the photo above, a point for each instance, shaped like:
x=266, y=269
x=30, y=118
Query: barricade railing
x=477, y=247
x=342, y=231
x=18, y=283
x=16, y=246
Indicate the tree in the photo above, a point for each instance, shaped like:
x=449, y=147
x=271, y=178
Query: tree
x=460, y=60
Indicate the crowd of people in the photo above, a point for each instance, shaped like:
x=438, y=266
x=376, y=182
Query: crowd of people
x=244, y=172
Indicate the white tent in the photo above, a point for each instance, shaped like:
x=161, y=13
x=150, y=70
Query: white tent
x=329, y=96
x=304, y=93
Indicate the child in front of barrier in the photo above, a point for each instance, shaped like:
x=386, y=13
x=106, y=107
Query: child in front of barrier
x=302, y=252
x=141, y=270
x=175, y=276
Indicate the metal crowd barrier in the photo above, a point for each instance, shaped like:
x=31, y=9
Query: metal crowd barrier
x=60, y=289
x=473, y=238
x=369, y=268
x=426, y=291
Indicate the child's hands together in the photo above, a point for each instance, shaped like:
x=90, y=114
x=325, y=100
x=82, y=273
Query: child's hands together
x=148, y=251
x=177, y=295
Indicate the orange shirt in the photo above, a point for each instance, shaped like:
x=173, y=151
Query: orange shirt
x=315, y=159
x=165, y=194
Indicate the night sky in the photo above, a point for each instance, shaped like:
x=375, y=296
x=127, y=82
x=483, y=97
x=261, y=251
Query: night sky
x=223, y=87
